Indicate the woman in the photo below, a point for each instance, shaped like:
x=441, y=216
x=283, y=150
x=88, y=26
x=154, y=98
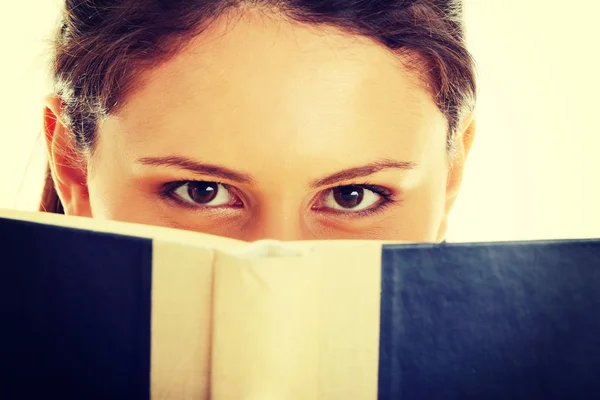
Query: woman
x=279, y=119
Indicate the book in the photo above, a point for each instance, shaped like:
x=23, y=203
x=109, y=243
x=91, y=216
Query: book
x=95, y=309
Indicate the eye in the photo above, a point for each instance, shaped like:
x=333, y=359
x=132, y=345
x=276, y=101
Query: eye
x=353, y=198
x=206, y=194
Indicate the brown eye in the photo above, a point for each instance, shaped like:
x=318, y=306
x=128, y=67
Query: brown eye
x=208, y=194
x=202, y=192
x=348, y=196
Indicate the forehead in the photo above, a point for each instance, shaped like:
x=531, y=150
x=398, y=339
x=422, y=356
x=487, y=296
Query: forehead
x=283, y=89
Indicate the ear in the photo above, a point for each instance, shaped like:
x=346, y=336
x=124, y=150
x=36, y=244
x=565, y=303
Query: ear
x=69, y=169
x=463, y=142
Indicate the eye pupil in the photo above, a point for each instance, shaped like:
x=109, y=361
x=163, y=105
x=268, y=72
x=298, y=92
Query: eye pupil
x=348, y=196
x=203, y=192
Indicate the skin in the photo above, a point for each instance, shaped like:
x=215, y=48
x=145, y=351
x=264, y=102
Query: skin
x=281, y=114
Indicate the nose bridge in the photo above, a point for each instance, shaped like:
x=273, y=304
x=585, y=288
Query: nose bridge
x=280, y=220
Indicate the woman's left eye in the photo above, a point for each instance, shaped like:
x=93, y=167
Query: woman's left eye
x=203, y=194
x=353, y=198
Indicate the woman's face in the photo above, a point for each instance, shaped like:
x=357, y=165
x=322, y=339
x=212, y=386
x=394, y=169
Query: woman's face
x=268, y=130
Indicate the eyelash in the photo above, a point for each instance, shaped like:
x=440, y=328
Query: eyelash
x=167, y=191
x=386, y=194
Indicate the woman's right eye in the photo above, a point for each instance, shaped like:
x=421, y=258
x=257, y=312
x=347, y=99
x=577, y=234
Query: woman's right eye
x=204, y=194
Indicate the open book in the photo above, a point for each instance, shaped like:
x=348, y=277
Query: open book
x=106, y=310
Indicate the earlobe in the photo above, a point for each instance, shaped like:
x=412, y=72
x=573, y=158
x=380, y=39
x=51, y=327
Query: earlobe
x=66, y=163
x=441, y=234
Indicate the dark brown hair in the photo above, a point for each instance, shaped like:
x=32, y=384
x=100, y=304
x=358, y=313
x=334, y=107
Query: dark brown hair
x=102, y=45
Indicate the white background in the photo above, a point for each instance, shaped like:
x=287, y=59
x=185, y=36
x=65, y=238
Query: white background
x=533, y=171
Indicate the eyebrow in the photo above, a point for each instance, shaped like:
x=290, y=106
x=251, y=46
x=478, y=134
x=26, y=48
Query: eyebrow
x=226, y=173
x=362, y=171
x=197, y=167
